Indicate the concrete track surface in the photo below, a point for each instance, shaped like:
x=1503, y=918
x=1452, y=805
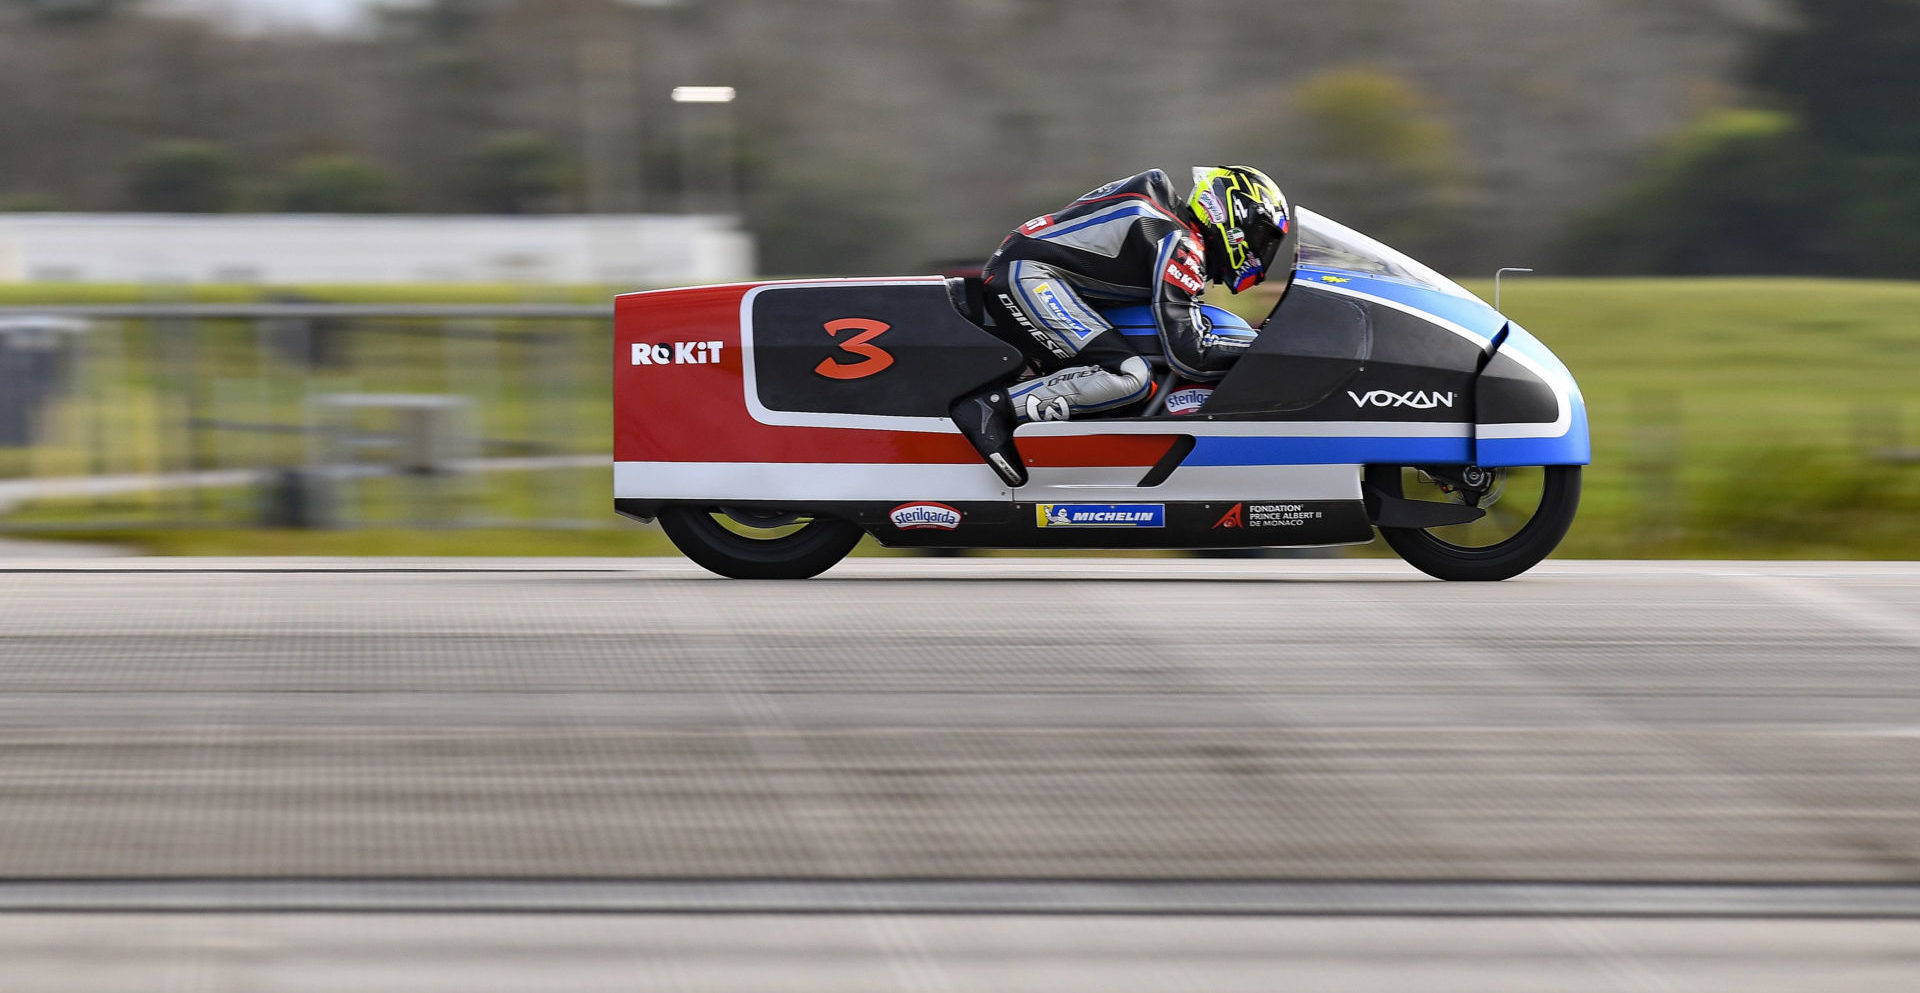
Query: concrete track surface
x=958, y=774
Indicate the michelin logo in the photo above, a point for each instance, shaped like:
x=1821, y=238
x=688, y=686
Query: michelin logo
x=1102, y=515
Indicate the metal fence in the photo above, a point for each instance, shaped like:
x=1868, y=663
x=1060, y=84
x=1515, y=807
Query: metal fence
x=304, y=415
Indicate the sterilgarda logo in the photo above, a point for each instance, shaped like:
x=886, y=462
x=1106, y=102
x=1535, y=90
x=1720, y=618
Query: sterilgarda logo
x=677, y=353
x=1210, y=202
x=1100, y=515
x=1189, y=400
x=1417, y=399
x=923, y=516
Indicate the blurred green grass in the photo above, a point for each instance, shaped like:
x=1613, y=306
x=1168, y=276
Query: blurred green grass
x=1730, y=417
x=1740, y=417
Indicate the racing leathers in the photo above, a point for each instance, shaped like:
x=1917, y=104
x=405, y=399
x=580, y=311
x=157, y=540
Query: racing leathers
x=1128, y=242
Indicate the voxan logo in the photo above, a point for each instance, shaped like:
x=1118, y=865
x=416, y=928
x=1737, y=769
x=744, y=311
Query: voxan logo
x=872, y=358
x=1417, y=399
x=677, y=353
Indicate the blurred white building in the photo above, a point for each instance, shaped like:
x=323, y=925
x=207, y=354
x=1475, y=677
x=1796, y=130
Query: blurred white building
x=613, y=249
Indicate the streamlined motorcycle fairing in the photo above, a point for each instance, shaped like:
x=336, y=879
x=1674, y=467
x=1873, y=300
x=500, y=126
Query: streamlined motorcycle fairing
x=826, y=399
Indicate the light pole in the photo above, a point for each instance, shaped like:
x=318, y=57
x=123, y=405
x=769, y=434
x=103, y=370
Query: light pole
x=723, y=165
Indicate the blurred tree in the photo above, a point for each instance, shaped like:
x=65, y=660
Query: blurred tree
x=183, y=177
x=27, y=202
x=1828, y=188
x=1374, y=153
x=438, y=20
x=337, y=184
x=1851, y=69
x=840, y=219
x=521, y=173
x=1742, y=192
x=73, y=10
x=1883, y=214
x=1549, y=102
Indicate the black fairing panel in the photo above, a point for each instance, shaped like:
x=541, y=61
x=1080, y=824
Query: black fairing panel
x=1312, y=345
x=1508, y=393
x=899, y=350
x=1324, y=356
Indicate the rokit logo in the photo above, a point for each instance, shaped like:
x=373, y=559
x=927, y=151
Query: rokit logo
x=924, y=516
x=677, y=353
x=1417, y=399
x=1186, y=271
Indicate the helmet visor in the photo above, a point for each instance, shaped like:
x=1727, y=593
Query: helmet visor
x=1261, y=235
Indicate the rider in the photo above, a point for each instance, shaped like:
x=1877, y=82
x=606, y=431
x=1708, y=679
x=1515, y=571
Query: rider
x=1129, y=242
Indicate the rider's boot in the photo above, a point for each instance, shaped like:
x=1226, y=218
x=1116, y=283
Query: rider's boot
x=986, y=419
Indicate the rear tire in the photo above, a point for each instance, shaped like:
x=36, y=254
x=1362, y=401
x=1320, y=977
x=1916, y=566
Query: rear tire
x=799, y=548
x=1532, y=539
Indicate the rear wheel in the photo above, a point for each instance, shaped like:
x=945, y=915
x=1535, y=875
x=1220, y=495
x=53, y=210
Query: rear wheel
x=759, y=544
x=1529, y=509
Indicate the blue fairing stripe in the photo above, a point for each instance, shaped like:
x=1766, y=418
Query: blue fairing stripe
x=1136, y=321
x=1131, y=210
x=1572, y=448
x=1471, y=314
x=1221, y=451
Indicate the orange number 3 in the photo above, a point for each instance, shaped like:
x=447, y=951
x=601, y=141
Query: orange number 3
x=873, y=358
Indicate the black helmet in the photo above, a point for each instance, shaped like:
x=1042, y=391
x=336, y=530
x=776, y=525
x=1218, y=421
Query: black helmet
x=1244, y=221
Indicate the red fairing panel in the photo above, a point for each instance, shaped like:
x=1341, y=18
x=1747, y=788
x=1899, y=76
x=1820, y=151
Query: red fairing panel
x=691, y=407
x=679, y=395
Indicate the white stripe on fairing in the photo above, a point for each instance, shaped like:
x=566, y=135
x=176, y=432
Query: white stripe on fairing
x=975, y=482
x=1249, y=429
x=1562, y=391
x=805, y=481
x=1236, y=482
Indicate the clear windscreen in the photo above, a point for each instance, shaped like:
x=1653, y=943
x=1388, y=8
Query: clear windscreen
x=1329, y=244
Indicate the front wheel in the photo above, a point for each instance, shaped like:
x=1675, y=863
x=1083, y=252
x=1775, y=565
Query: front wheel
x=1528, y=509
x=755, y=544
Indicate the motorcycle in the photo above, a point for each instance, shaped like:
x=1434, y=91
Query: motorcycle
x=768, y=426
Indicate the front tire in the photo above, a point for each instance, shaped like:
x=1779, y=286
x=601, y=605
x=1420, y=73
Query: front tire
x=754, y=545
x=1528, y=511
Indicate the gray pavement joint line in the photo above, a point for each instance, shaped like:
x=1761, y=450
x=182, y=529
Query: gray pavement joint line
x=1055, y=897
x=1815, y=595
